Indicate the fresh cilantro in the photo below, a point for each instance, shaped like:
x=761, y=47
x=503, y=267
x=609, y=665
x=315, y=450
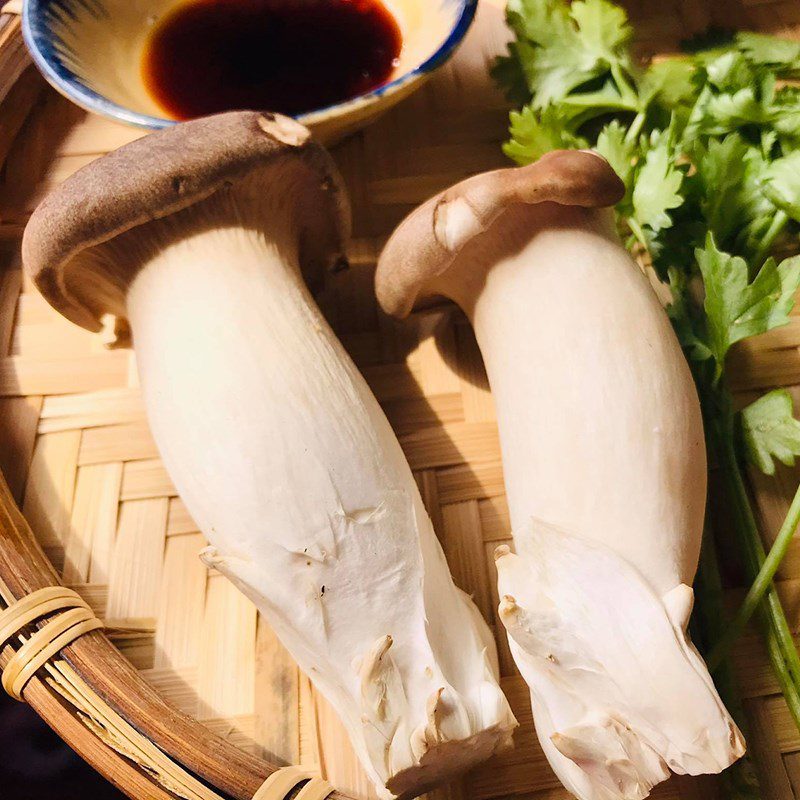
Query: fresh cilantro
x=730, y=177
x=531, y=19
x=604, y=30
x=758, y=103
x=670, y=83
x=561, y=48
x=767, y=143
x=684, y=321
x=786, y=116
x=658, y=184
x=780, y=54
x=737, y=308
x=758, y=213
x=556, y=64
x=708, y=146
x=728, y=112
x=535, y=133
x=781, y=184
x=621, y=153
x=729, y=71
x=771, y=431
x=721, y=173
x=587, y=105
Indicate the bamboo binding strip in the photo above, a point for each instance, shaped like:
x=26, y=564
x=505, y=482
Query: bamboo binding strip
x=50, y=639
x=75, y=620
x=281, y=783
x=97, y=728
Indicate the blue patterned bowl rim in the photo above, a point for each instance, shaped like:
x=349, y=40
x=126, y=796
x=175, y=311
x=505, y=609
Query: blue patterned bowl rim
x=41, y=46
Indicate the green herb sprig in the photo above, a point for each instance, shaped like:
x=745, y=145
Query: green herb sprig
x=708, y=146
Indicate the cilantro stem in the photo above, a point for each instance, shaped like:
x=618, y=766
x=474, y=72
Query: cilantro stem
x=779, y=222
x=636, y=127
x=770, y=615
x=760, y=586
x=775, y=651
x=637, y=231
x=740, y=780
x=710, y=614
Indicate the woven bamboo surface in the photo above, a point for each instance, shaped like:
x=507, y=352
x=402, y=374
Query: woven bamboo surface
x=76, y=449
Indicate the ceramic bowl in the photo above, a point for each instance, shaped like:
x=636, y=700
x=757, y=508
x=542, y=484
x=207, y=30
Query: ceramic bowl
x=91, y=51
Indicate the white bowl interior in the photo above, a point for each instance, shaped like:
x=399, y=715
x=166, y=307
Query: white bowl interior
x=103, y=41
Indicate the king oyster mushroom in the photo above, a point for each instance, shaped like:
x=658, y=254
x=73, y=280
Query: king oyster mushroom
x=199, y=239
x=604, y=464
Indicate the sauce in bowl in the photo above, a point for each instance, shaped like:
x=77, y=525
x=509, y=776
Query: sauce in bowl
x=289, y=56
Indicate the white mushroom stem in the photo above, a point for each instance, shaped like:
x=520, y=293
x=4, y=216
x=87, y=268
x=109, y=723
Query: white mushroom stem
x=605, y=468
x=290, y=468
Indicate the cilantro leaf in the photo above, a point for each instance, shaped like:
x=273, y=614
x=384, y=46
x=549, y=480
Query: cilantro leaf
x=730, y=71
x=683, y=321
x=757, y=103
x=780, y=54
x=771, y=431
x=614, y=147
x=622, y=154
x=658, y=184
x=730, y=176
x=760, y=211
x=555, y=70
x=604, y=29
x=669, y=82
x=781, y=184
x=562, y=47
x=721, y=169
x=580, y=108
x=550, y=50
x=692, y=131
x=786, y=115
x=531, y=19
x=725, y=113
x=736, y=308
x=767, y=142
x=586, y=105
x=534, y=133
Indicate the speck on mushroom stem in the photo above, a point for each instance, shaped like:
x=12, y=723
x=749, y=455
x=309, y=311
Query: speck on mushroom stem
x=604, y=464
x=269, y=432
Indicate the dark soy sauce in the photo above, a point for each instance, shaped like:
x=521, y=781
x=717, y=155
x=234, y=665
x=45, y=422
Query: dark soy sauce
x=282, y=55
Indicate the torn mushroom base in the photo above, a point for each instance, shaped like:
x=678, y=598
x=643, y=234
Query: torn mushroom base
x=288, y=465
x=286, y=461
x=604, y=464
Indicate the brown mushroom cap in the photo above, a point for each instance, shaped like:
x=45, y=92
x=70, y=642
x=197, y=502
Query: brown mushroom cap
x=164, y=173
x=428, y=241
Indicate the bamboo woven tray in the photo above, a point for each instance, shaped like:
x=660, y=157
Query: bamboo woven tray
x=78, y=456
